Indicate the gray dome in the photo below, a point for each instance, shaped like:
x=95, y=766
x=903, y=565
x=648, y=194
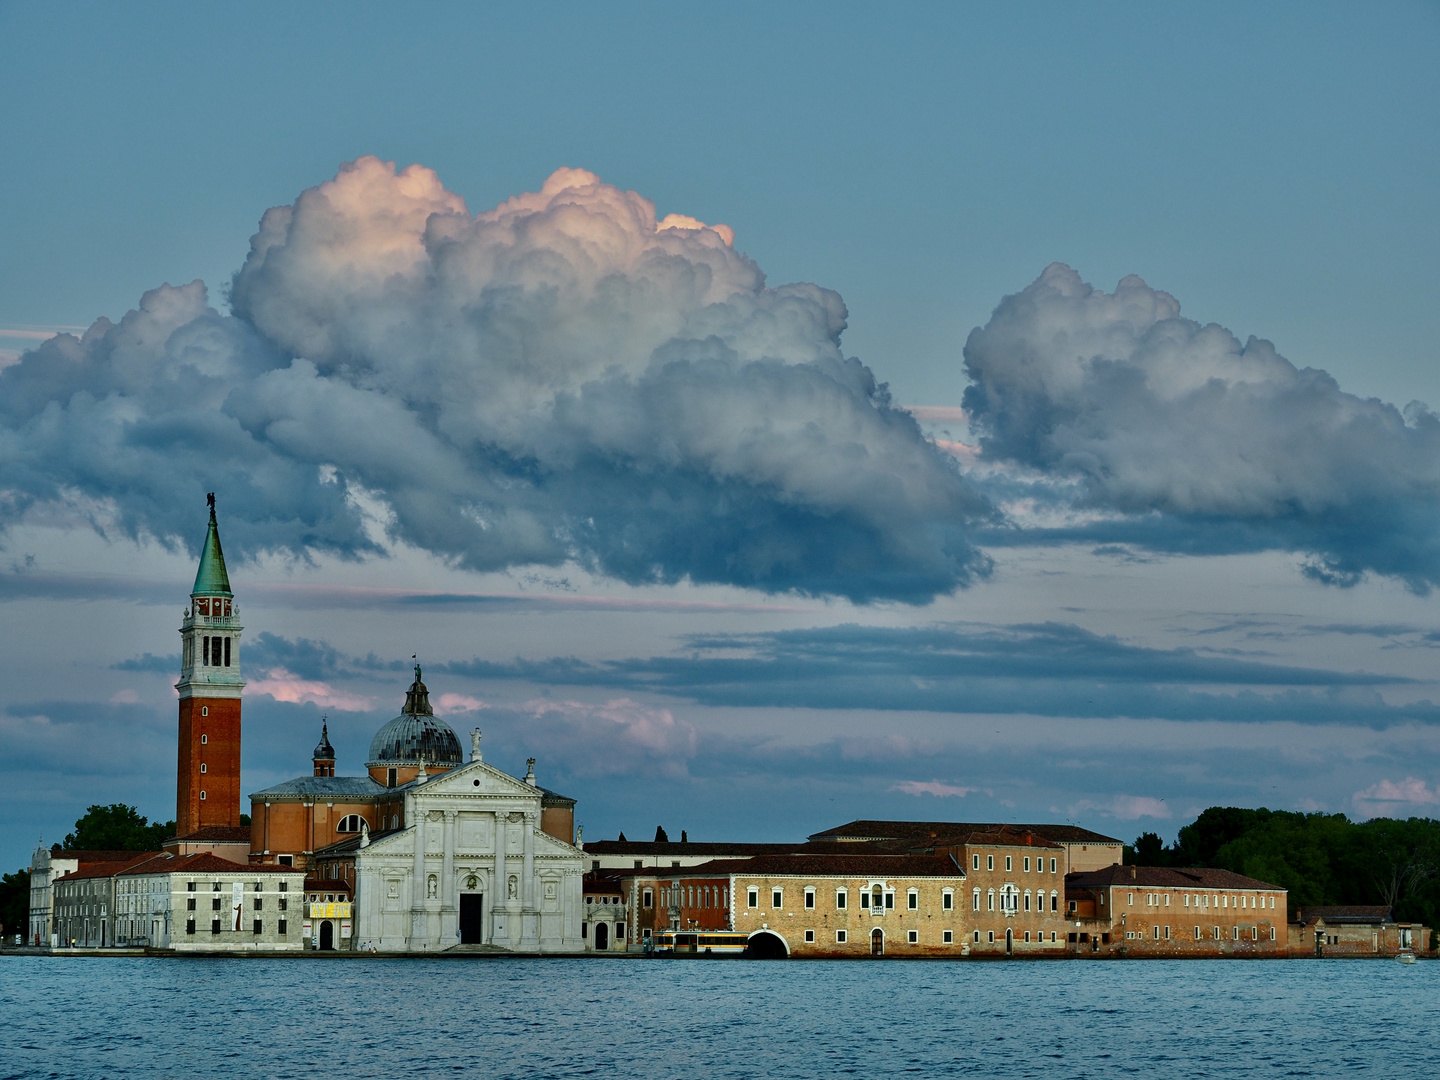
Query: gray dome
x=416, y=734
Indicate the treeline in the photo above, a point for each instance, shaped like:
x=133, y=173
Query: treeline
x=1319, y=858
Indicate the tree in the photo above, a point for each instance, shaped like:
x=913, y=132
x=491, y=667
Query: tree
x=1148, y=850
x=15, y=903
x=117, y=827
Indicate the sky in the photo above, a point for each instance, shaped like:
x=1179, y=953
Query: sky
x=763, y=418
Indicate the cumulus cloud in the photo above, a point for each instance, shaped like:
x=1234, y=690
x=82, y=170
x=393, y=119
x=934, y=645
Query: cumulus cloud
x=562, y=377
x=937, y=788
x=1386, y=797
x=1197, y=441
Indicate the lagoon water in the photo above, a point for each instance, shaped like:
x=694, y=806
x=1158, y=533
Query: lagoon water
x=703, y=1020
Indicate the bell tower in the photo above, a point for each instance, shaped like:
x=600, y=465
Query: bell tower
x=208, y=779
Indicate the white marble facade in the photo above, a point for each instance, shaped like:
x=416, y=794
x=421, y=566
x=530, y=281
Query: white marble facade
x=471, y=858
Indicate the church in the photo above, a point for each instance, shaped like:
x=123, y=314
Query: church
x=436, y=850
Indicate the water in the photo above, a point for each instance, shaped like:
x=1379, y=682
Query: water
x=196, y=1018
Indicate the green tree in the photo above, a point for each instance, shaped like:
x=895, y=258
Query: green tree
x=15, y=903
x=117, y=827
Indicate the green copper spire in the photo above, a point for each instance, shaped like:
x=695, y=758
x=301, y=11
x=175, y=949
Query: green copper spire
x=211, y=579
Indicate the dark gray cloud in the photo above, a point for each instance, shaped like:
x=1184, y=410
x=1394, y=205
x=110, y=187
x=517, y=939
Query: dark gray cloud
x=1181, y=438
x=1050, y=669
x=561, y=378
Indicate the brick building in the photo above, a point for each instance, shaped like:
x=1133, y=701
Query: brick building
x=1354, y=930
x=1170, y=911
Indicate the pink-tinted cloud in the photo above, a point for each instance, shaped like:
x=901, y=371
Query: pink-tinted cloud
x=448, y=704
x=1390, y=795
x=933, y=787
x=283, y=685
x=1125, y=807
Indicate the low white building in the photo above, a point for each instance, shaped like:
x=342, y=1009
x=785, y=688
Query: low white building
x=473, y=866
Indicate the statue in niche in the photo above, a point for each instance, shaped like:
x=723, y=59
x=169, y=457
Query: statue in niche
x=432, y=887
x=514, y=890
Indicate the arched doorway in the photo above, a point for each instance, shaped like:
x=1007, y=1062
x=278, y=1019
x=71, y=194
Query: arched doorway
x=327, y=936
x=1009, y=942
x=766, y=946
x=602, y=936
x=877, y=942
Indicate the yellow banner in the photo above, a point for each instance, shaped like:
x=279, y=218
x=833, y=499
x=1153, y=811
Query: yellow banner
x=330, y=911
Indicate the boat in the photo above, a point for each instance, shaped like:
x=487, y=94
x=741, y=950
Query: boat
x=1405, y=957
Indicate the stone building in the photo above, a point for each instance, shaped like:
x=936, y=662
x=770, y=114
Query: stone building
x=203, y=903
x=605, y=927
x=1173, y=911
x=849, y=905
x=48, y=865
x=1354, y=930
x=474, y=866
x=83, y=901
x=1084, y=849
x=1014, y=891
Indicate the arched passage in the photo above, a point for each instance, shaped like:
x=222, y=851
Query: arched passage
x=764, y=945
x=877, y=942
x=327, y=935
x=1009, y=942
x=602, y=936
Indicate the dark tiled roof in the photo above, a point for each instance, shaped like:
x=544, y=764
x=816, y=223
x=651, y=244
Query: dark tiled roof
x=204, y=862
x=109, y=868
x=1348, y=913
x=96, y=856
x=641, y=848
x=232, y=833
x=554, y=798
x=352, y=843
x=867, y=829
x=330, y=786
x=1164, y=877
x=848, y=866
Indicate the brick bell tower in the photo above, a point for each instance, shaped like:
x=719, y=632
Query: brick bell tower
x=207, y=796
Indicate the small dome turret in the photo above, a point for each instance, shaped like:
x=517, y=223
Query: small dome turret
x=416, y=735
x=324, y=755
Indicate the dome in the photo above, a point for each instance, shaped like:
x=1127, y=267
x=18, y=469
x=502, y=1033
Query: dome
x=416, y=734
x=323, y=750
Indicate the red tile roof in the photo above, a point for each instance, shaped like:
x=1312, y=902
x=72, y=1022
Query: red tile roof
x=866, y=829
x=109, y=868
x=1165, y=877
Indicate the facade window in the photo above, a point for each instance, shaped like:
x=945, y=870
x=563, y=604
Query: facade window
x=912, y=900
x=889, y=900
x=947, y=900
x=809, y=897
x=281, y=929
x=202, y=794
x=389, y=777
x=350, y=823
x=190, y=904
x=991, y=935
x=913, y=937
x=777, y=899
x=206, y=648
x=1027, y=937
x=214, y=926
x=865, y=899
x=282, y=903
x=947, y=937
x=227, y=652
x=1052, y=866
x=1007, y=863
x=286, y=860
x=215, y=904
x=975, y=862
x=840, y=899
x=840, y=937
x=989, y=862
x=259, y=904
x=1027, y=864
x=1132, y=899
x=202, y=766
x=809, y=935
x=977, y=937
x=1027, y=899
x=990, y=900
x=189, y=926
x=647, y=899
x=1054, y=900
x=975, y=900
x=752, y=897
x=257, y=926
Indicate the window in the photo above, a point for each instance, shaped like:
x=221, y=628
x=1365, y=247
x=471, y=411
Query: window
x=227, y=652
x=189, y=926
x=913, y=937
x=282, y=928
x=975, y=900
x=1132, y=899
x=809, y=897
x=389, y=777
x=1052, y=866
x=1167, y=933
x=889, y=900
x=259, y=904
x=202, y=794
x=1157, y=933
x=840, y=898
x=989, y=862
x=1186, y=900
x=809, y=935
x=912, y=900
x=777, y=899
x=190, y=904
x=190, y=886
x=991, y=935
x=990, y=900
x=1007, y=862
x=1167, y=899
x=214, y=926
x=215, y=904
x=947, y=937
x=977, y=937
x=202, y=767
x=1272, y=930
x=1027, y=899
x=206, y=650
x=350, y=823
x=647, y=898
x=1027, y=864
x=752, y=897
x=1027, y=937
x=947, y=900
x=840, y=937
x=286, y=860
x=974, y=862
x=865, y=899
x=281, y=903
x=257, y=929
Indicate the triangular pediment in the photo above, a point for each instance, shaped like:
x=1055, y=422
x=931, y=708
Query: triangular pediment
x=461, y=780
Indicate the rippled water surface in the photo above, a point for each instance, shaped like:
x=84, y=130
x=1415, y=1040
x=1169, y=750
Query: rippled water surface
x=122, y=1017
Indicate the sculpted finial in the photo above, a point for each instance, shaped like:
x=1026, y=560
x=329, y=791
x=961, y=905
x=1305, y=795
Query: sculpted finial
x=475, y=745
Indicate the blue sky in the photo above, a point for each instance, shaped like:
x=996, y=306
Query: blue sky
x=1125, y=565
